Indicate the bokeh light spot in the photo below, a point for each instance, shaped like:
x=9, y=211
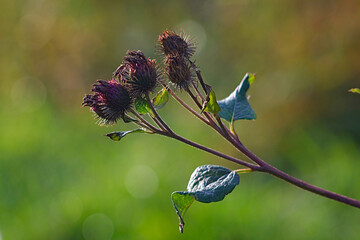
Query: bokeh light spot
x=98, y=227
x=141, y=181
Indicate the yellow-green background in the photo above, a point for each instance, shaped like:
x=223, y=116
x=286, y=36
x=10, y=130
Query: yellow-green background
x=60, y=178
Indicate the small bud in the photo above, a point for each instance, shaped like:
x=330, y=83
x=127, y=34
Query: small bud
x=178, y=71
x=172, y=44
x=110, y=101
x=137, y=73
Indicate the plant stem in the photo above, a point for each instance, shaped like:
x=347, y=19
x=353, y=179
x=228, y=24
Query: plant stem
x=309, y=187
x=244, y=170
x=197, y=91
x=261, y=166
x=158, y=123
x=167, y=128
x=223, y=128
x=207, y=121
x=198, y=74
x=193, y=98
x=142, y=120
x=143, y=126
x=224, y=131
x=208, y=116
x=187, y=107
x=267, y=168
x=234, y=134
x=212, y=151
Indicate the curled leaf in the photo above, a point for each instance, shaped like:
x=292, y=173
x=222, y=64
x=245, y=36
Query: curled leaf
x=161, y=99
x=236, y=105
x=142, y=106
x=208, y=183
x=117, y=136
x=210, y=105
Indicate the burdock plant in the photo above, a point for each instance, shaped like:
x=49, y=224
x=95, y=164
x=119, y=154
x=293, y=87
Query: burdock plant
x=127, y=96
x=109, y=102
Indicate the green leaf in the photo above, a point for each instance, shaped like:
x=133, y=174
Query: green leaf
x=210, y=105
x=161, y=99
x=208, y=183
x=181, y=202
x=354, y=90
x=142, y=106
x=117, y=136
x=128, y=119
x=236, y=105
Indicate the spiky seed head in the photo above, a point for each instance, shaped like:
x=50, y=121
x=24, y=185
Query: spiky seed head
x=137, y=73
x=178, y=71
x=172, y=44
x=110, y=100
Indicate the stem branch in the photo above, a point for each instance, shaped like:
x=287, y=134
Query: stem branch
x=157, y=116
x=309, y=187
x=212, y=151
x=143, y=121
x=187, y=107
x=266, y=167
x=198, y=74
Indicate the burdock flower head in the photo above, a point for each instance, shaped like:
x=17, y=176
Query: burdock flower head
x=137, y=73
x=172, y=44
x=178, y=71
x=109, y=101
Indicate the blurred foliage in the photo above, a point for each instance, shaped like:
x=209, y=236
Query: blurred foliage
x=60, y=178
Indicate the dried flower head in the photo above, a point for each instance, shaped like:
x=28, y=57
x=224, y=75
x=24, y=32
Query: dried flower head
x=110, y=101
x=178, y=71
x=172, y=44
x=137, y=73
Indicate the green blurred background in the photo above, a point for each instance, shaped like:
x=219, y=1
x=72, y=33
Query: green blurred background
x=60, y=178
